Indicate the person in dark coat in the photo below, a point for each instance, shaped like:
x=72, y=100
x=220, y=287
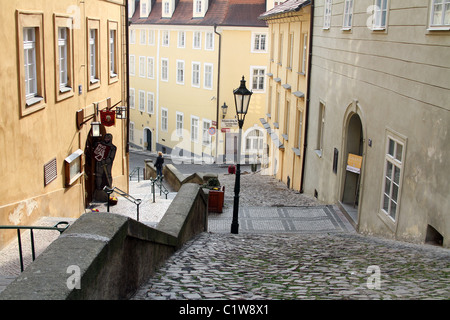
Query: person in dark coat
x=159, y=164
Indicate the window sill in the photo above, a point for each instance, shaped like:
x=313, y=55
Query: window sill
x=33, y=101
x=296, y=151
x=64, y=93
x=442, y=28
x=318, y=153
x=275, y=125
x=64, y=89
x=285, y=136
x=32, y=105
x=387, y=220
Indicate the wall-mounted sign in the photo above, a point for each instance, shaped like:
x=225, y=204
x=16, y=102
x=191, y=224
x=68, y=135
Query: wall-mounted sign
x=354, y=163
x=228, y=123
x=73, y=167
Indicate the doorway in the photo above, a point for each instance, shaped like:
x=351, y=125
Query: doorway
x=231, y=147
x=352, y=178
x=148, y=139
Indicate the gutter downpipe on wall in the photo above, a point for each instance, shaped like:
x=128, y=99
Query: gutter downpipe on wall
x=127, y=63
x=218, y=92
x=308, y=90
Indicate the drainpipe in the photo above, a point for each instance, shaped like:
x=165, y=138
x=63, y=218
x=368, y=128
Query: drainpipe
x=218, y=91
x=308, y=90
x=127, y=62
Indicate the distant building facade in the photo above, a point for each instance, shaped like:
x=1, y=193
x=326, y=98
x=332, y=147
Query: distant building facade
x=64, y=61
x=379, y=116
x=186, y=58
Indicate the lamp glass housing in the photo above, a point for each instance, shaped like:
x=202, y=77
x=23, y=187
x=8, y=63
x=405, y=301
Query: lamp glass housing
x=242, y=99
x=95, y=126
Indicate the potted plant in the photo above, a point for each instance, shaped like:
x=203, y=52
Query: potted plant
x=215, y=196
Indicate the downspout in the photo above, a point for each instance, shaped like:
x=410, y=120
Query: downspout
x=218, y=92
x=127, y=63
x=308, y=90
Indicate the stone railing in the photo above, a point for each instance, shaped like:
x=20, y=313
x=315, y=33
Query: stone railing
x=108, y=256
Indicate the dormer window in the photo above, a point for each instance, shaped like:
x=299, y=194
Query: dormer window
x=200, y=7
x=168, y=8
x=146, y=7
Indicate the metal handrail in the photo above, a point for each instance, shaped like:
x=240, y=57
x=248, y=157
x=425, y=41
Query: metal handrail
x=162, y=187
x=122, y=193
x=134, y=172
x=31, y=228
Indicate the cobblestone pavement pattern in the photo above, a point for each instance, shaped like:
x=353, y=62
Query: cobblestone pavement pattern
x=287, y=266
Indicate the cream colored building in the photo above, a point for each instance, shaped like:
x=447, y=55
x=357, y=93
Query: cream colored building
x=380, y=91
x=286, y=111
x=60, y=60
x=186, y=58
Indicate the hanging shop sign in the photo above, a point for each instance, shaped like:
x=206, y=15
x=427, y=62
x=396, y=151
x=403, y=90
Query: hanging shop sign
x=108, y=117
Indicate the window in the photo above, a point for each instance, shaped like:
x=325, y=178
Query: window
x=280, y=49
x=440, y=13
x=143, y=13
x=348, y=15
x=143, y=37
x=320, y=131
x=180, y=71
x=179, y=124
x=254, y=140
x=164, y=119
x=132, y=97
x=304, y=53
x=131, y=126
x=132, y=36
x=150, y=102
x=113, y=51
x=206, y=138
x=165, y=69
x=299, y=129
x=142, y=67
x=93, y=54
x=259, y=42
x=198, y=6
x=327, y=14
x=392, y=176
x=380, y=14
x=151, y=37
x=197, y=41
x=196, y=74
x=150, y=67
x=272, y=47
x=165, y=38
x=287, y=118
x=209, y=43
x=277, y=109
x=166, y=7
x=181, y=39
x=141, y=100
x=208, y=76
x=132, y=65
x=291, y=51
x=64, y=58
x=194, y=128
x=258, y=78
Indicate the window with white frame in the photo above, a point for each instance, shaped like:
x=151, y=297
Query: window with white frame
x=29, y=48
x=150, y=67
x=209, y=43
x=440, y=13
x=166, y=7
x=150, y=102
x=327, y=14
x=208, y=77
x=131, y=127
x=165, y=69
x=132, y=98
x=165, y=38
x=113, y=63
x=141, y=100
x=142, y=67
x=380, y=15
x=259, y=42
x=299, y=130
x=320, y=131
x=181, y=39
x=197, y=40
x=258, y=78
x=206, y=137
x=394, y=159
x=280, y=49
x=180, y=71
x=194, y=128
x=348, y=15
x=196, y=74
x=64, y=57
x=151, y=37
x=93, y=56
x=304, y=53
x=142, y=36
x=198, y=6
x=164, y=119
x=254, y=141
x=291, y=51
x=132, y=36
x=132, y=65
x=179, y=124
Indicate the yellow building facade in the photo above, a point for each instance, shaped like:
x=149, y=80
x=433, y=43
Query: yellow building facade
x=286, y=108
x=61, y=63
x=184, y=66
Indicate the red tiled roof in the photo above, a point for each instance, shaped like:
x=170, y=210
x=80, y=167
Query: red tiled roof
x=220, y=12
x=285, y=7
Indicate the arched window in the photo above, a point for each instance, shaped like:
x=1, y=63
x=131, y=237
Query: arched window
x=254, y=141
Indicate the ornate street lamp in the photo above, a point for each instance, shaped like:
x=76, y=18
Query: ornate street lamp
x=224, y=110
x=242, y=100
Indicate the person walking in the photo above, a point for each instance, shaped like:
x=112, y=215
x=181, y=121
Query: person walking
x=159, y=164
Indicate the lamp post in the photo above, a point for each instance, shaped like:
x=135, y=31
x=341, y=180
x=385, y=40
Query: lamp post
x=242, y=100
